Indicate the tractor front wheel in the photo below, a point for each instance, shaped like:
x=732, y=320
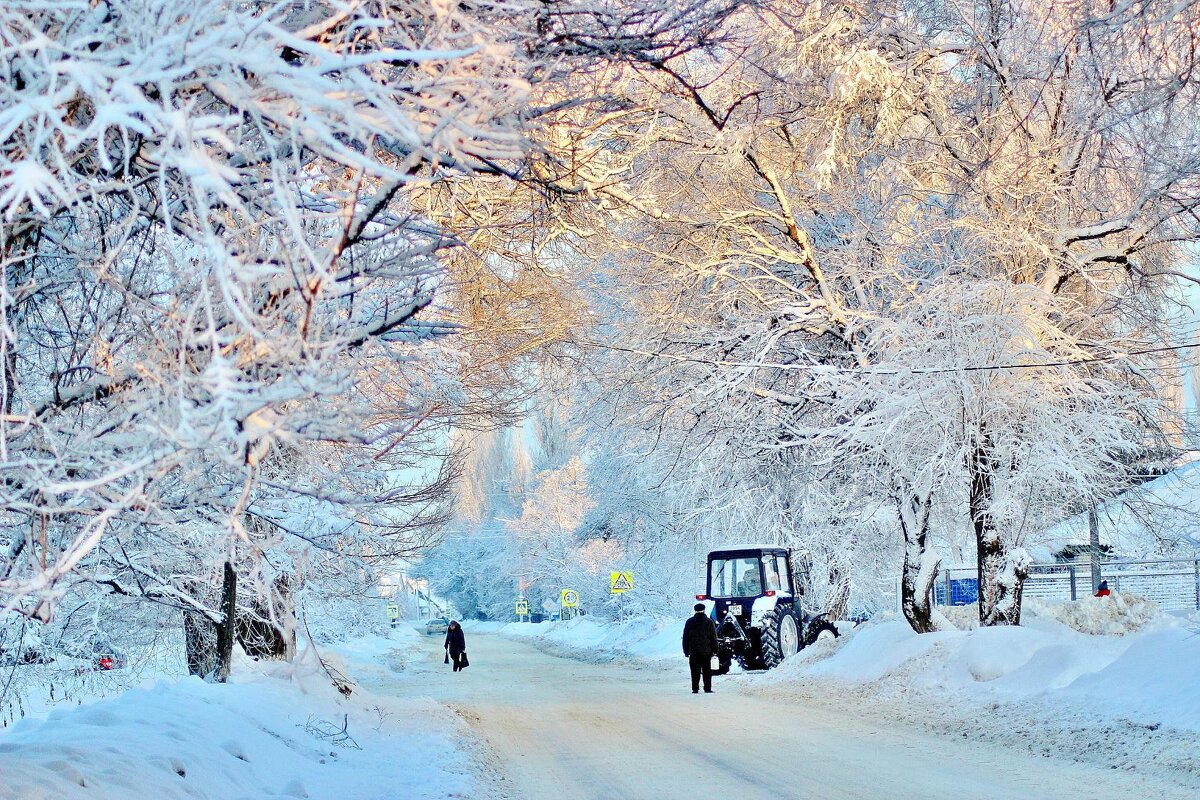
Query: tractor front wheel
x=780, y=637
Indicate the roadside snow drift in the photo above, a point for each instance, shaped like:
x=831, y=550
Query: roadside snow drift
x=1117, y=614
x=274, y=732
x=1143, y=670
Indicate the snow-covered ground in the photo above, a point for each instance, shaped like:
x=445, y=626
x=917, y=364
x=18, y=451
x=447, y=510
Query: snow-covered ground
x=275, y=731
x=1109, y=680
x=604, y=727
x=1126, y=698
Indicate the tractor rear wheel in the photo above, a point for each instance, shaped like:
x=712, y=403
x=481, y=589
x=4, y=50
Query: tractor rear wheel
x=780, y=637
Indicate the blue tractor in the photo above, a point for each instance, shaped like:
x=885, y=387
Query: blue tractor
x=753, y=594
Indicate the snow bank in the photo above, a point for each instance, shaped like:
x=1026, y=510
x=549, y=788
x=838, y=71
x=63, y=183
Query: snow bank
x=1142, y=669
x=868, y=656
x=1155, y=680
x=275, y=731
x=650, y=639
x=1115, y=615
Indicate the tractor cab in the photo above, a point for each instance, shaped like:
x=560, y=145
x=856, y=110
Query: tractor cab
x=738, y=578
x=753, y=594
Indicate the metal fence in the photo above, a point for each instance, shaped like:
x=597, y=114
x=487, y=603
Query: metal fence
x=1174, y=584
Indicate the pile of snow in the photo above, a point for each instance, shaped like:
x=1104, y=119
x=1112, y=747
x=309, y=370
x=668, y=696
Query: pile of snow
x=1115, y=615
x=274, y=731
x=650, y=639
x=966, y=618
x=1147, y=677
x=1153, y=682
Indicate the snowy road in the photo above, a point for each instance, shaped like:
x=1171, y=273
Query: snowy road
x=570, y=730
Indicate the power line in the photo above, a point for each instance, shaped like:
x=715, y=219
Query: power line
x=716, y=362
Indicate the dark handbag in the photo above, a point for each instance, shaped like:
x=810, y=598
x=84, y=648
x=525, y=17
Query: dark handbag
x=462, y=660
x=447, y=661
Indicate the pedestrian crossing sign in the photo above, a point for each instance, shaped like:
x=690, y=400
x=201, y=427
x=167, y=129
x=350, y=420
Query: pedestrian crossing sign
x=522, y=608
x=393, y=611
x=621, y=582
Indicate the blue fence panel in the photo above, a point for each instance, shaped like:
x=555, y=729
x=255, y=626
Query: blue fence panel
x=963, y=592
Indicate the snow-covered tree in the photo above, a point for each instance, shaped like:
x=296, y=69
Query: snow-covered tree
x=838, y=170
x=221, y=327
x=980, y=398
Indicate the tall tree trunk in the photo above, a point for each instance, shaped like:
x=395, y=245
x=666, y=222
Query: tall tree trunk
x=209, y=645
x=920, y=563
x=227, y=627
x=1001, y=573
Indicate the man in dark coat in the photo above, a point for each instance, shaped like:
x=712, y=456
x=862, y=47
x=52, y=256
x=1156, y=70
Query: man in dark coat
x=700, y=645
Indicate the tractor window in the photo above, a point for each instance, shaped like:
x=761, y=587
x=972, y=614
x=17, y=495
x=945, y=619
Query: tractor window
x=772, y=573
x=735, y=577
x=785, y=580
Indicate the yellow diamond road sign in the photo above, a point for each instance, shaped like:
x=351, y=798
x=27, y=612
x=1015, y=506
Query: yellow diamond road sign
x=522, y=608
x=570, y=598
x=621, y=582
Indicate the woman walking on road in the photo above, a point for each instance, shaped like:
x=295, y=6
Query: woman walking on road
x=456, y=645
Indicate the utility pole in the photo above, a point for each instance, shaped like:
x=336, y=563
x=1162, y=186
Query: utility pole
x=1094, y=541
